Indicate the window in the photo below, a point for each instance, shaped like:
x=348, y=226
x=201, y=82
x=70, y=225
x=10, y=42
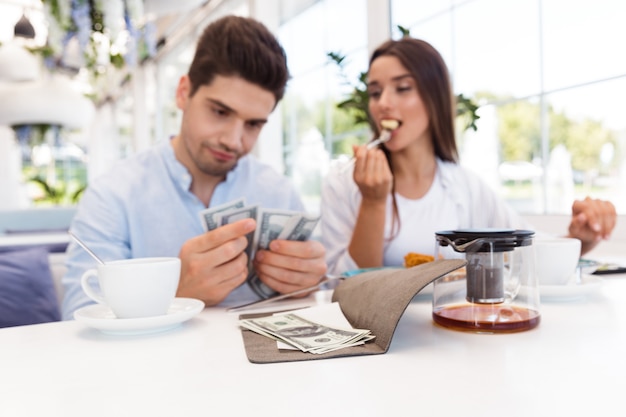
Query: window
x=550, y=79
x=312, y=124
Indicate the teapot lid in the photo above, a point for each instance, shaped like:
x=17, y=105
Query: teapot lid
x=487, y=240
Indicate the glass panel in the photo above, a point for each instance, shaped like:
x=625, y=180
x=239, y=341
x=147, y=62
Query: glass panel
x=550, y=78
x=496, y=46
x=583, y=44
x=311, y=120
x=427, y=20
x=409, y=13
x=438, y=32
x=589, y=122
x=506, y=152
x=169, y=70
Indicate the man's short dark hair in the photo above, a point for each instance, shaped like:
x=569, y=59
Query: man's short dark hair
x=242, y=47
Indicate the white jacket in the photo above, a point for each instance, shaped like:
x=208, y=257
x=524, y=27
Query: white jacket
x=475, y=206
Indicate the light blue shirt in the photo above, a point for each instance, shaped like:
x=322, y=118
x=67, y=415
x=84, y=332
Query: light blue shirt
x=144, y=208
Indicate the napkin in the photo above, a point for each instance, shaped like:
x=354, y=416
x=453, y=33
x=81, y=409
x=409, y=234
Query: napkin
x=372, y=300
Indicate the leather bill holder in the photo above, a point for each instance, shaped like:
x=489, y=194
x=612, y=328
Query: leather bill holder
x=372, y=300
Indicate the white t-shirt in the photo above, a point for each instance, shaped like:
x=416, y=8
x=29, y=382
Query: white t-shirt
x=457, y=199
x=420, y=219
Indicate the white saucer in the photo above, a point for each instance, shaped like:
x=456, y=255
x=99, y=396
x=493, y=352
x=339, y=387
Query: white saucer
x=572, y=291
x=101, y=317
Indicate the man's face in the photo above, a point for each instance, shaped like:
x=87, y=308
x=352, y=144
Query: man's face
x=221, y=123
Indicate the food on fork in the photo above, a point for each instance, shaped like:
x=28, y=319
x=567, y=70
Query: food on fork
x=389, y=124
x=413, y=259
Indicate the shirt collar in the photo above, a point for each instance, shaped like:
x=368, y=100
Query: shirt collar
x=181, y=175
x=178, y=172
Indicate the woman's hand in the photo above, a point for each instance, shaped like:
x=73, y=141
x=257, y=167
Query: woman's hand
x=372, y=173
x=592, y=221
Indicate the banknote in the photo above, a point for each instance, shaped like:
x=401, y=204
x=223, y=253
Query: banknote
x=208, y=215
x=304, y=334
x=231, y=216
x=361, y=341
x=271, y=224
x=258, y=286
x=300, y=228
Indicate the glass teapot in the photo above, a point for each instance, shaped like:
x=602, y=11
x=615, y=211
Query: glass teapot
x=497, y=290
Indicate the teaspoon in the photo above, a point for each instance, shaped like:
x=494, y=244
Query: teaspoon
x=89, y=251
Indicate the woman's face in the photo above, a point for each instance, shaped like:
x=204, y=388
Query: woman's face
x=393, y=94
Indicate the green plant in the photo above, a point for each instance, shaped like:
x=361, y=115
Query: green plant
x=52, y=194
x=57, y=194
x=356, y=102
x=466, y=111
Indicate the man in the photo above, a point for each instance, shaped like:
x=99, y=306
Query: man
x=150, y=204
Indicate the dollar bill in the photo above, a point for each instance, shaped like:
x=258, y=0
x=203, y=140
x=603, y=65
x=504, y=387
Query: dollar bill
x=228, y=217
x=297, y=227
x=300, y=228
x=306, y=335
x=359, y=342
x=208, y=216
x=270, y=224
x=258, y=286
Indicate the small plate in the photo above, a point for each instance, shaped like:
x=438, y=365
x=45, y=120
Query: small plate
x=99, y=316
x=354, y=272
x=569, y=292
x=588, y=266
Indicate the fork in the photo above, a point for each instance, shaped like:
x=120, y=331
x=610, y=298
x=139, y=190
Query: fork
x=384, y=137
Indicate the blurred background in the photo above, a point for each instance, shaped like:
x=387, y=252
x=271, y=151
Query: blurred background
x=540, y=86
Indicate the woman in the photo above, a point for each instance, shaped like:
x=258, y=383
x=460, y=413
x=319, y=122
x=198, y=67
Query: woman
x=402, y=192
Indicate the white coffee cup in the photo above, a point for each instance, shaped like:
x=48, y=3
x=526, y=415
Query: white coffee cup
x=133, y=288
x=556, y=259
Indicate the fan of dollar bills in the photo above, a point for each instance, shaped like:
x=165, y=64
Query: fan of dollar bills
x=306, y=335
x=271, y=224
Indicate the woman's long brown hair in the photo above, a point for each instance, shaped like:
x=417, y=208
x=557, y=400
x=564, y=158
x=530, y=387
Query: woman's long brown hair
x=431, y=76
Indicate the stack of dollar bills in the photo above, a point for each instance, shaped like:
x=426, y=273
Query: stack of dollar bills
x=306, y=335
x=271, y=224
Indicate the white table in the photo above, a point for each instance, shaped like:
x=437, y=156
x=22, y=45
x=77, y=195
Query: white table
x=573, y=363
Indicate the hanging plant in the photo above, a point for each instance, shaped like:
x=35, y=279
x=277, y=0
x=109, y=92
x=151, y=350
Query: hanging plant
x=32, y=134
x=100, y=36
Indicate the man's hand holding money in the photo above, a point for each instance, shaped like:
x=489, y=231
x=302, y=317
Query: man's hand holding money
x=281, y=258
x=215, y=263
x=290, y=265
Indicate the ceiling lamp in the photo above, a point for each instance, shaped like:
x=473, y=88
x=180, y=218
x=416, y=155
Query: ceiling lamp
x=24, y=28
x=49, y=101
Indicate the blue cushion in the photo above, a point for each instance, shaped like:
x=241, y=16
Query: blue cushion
x=27, y=294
